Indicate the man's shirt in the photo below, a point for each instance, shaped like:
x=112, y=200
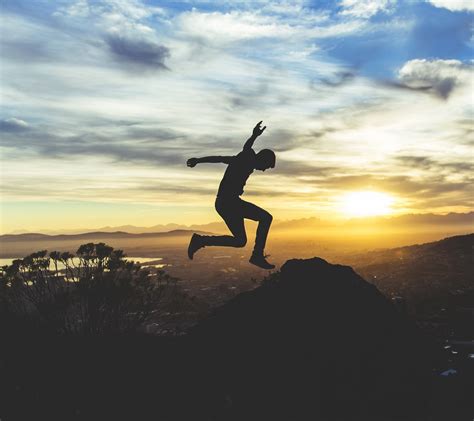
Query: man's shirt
x=237, y=173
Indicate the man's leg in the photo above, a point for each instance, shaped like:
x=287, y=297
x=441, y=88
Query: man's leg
x=264, y=218
x=232, y=215
x=235, y=223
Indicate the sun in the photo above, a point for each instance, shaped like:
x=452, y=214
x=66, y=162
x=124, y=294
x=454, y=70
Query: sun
x=366, y=203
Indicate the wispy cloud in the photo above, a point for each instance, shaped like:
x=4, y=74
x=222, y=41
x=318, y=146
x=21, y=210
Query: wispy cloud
x=135, y=144
x=454, y=5
x=366, y=8
x=442, y=76
x=14, y=125
x=138, y=53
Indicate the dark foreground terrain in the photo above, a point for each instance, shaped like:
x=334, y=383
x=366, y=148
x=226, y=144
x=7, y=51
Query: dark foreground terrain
x=313, y=342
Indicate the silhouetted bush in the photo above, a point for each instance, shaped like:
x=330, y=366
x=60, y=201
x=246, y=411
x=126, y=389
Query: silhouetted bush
x=96, y=291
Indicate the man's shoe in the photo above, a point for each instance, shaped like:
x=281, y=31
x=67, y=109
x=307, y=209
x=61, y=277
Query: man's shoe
x=194, y=245
x=260, y=261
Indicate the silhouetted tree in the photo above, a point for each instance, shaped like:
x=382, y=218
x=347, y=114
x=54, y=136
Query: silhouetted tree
x=96, y=291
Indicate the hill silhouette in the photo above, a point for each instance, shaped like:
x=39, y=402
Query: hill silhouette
x=426, y=275
x=91, y=235
x=458, y=246
x=314, y=342
x=14, y=245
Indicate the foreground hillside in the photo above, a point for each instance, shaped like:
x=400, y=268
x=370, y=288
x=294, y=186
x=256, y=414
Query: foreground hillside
x=314, y=342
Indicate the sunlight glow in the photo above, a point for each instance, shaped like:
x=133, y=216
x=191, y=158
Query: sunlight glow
x=366, y=203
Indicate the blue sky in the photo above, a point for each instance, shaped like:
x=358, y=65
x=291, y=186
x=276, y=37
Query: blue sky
x=103, y=101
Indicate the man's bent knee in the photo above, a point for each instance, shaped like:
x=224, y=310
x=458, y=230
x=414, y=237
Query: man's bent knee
x=266, y=218
x=240, y=241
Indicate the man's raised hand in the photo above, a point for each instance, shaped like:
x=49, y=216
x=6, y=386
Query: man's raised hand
x=258, y=130
x=192, y=162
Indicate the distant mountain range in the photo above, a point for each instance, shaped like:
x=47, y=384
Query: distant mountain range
x=93, y=235
x=411, y=221
x=402, y=221
x=14, y=245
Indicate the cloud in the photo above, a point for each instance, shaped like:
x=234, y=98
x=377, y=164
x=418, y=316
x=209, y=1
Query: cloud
x=133, y=146
x=340, y=78
x=13, y=125
x=126, y=27
x=141, y=53
x=424, y=162
x=391, y=84
x=438, y=167
x=220, y=28
x=297, y=169
x=453, y=5
x=34, y=50
x=366, y=8
x=115, y=10
x=441, y=76
x=417, y=189
x=231, y=26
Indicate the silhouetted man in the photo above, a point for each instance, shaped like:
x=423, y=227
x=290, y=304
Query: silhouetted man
x=232, y=208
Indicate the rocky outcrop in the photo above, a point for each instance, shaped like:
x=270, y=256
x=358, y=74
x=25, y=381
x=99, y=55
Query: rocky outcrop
x=315, y=341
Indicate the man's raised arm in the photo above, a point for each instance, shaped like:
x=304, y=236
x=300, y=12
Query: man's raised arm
x=192, y=162
x=257, y=131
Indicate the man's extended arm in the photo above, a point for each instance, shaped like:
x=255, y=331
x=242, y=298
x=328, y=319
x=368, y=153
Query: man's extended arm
x=192, y=162
x=257, y=131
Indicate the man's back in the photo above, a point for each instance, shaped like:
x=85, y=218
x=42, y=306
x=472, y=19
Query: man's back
x=237, y=173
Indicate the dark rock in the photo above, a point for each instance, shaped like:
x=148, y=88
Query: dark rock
x=314, y=342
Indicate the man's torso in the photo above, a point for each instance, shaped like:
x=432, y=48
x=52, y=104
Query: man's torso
x=237, y=173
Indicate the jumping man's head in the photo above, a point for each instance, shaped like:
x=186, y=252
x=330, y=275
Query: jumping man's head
x=265, y=160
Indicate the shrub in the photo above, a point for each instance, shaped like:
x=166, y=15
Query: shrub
x=93, y=292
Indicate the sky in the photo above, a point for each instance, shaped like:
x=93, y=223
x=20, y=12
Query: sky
x=104, y=101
